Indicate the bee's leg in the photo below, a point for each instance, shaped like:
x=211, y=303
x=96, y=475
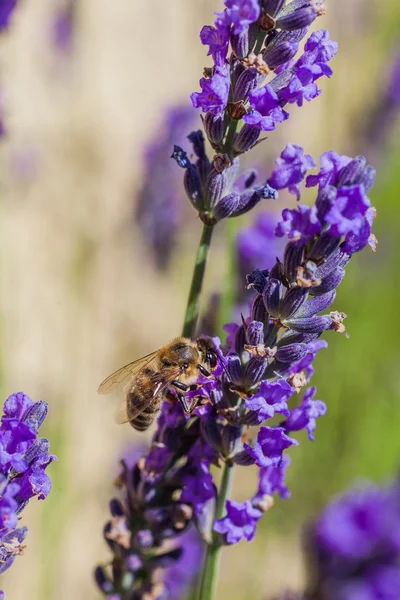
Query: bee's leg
x=185, y=406
x=194, y=403
x=185, y=388
x=180, y=386
x=203, y=371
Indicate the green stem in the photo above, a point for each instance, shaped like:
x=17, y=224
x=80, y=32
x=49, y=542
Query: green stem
x=229, y=294
x=233, y=125
x=260, y=41
x=211, y=566
x=192, y=309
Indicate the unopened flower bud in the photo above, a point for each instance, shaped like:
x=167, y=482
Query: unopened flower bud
x=291, y=353
x=329, y=283
x=255, y=333
x=255, y=370
x=280, y=54
x=310, y=324
x=246, y=139
x=257, y=280
x=36, y=415
x=258, y=310
x=226, y=206
x=352, y=172
x=216, y=184
x=303, y=17
x=272, y=295
x=272, y=7
x=293, y=301
x=245, y=84
x=214, y=128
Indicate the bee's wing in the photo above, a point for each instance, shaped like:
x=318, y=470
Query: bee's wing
x=122, y=377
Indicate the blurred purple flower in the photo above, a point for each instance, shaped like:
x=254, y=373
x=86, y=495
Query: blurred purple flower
x=182, y=574
x=63, y=27
x=354, y=546
x=378, y=124
x=6, y=10
x=159, y=208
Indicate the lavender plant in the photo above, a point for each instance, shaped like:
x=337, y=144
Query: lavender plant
x=23, y=461
x=268, y=355
x=353, y=547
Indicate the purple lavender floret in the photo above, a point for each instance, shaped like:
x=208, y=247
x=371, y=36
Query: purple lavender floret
x=292, y=165
x=305, y=415
x=300, y=223
x=272, y=480
x=271, y=442
x=265, y=109
x=23, y=460
x=240, y=522
x=271, y=398
x=217, y=38
x=299, y=79
x=354, y=546
x=240, y=14
x=213, y=97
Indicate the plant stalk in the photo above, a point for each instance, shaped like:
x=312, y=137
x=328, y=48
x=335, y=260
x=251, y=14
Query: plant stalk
x=208, y=582
x=193, y=304
x=229, y=292
x=233, y=125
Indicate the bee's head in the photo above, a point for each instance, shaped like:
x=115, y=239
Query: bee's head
x=181, y=353
x=208, y=352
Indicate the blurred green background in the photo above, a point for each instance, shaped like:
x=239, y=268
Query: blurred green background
x=79, y=296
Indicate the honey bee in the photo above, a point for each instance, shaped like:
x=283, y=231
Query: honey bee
x=146, y=380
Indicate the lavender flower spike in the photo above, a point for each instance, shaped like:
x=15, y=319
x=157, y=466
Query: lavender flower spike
x=23, y=461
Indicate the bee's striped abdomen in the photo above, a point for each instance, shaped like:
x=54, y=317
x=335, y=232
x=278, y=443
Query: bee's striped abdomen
x=142, y=394
x=145, y=419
